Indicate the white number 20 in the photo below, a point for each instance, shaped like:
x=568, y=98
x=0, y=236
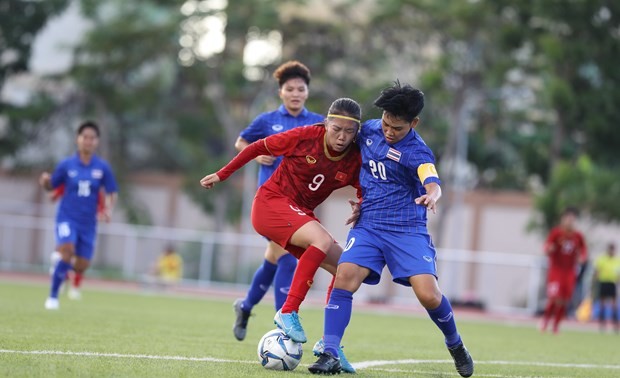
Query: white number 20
x=377, y=169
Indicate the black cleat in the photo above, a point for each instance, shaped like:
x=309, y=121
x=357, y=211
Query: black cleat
x=326, y=364
x=462, y=360
x=241, y=320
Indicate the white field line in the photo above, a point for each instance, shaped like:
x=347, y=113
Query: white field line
x=368, y=364
x=357, y=365
x=118, y=355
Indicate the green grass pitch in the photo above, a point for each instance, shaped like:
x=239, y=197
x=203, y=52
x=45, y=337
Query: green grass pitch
x=135, y=334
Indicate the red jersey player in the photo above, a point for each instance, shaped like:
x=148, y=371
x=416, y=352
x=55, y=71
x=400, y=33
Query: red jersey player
x=317, y=160
x=566, y=249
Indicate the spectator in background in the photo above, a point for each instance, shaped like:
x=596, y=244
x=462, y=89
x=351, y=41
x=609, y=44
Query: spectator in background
x=566, y=249
x=169, y=268
x=606, y=276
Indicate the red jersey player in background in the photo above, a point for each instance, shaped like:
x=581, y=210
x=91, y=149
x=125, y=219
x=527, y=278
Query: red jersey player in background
x=318, y=159
x=102, y=215
x=566, y=250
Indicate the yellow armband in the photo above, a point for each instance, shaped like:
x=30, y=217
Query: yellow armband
x=427, y=170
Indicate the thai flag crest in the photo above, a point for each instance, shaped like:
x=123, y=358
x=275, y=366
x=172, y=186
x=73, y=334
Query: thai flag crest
x=393, y=154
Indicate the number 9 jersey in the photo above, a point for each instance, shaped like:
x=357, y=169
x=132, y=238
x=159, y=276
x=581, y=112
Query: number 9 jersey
x=308, y=174
x=310, y=171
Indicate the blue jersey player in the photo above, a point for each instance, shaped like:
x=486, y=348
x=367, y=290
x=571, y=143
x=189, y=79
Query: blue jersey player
x=399, y=185
x=279, y=266
x=83, y=175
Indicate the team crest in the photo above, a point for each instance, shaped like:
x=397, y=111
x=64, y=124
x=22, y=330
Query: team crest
x=72, y=173
x=96, y=173
x=277, y=128
x=341, y=176
x=368, y=142
x=310, y=159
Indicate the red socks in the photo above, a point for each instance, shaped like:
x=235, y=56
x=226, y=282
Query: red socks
x=77, y=280
x=329, y=289
x=303, y=278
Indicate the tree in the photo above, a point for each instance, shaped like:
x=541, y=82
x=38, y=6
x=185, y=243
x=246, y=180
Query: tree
x=583, y=185
x=20, y=21
x=574, y=50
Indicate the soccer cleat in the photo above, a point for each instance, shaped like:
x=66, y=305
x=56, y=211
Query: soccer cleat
x=319, y=348
x=290, y=325
x=462, y=360
x=52, y=304
x=326, y=364
x=74, y=294
x=241, y=320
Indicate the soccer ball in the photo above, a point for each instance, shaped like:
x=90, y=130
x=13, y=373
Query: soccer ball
x=276, y=351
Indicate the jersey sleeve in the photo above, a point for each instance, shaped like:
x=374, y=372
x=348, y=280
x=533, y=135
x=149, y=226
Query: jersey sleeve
x=250, y=152
x=550, y=242
x=285, y=143
x=424, y=163
x=255, y=130
x=109, y=182
x=59, y=176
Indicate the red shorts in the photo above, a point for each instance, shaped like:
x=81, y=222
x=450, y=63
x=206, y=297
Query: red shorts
x=561, y=284
x=277, y=218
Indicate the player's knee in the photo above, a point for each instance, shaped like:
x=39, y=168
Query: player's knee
x=429, y=300
x=349, y=278
x=80, y=266
x=324, y=242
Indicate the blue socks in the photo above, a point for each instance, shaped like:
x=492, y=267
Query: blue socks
x=443, y=316
x=60, y=272
x=283, y=278
x=337, y=317
x=263, y=277
x=281, y=275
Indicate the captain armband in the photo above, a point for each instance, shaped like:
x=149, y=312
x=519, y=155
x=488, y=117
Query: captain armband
x=427, y=170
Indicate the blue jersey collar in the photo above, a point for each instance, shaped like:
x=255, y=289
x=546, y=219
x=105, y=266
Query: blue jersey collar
x=282, y=110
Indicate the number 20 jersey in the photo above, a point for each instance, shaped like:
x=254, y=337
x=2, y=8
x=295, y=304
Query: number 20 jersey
x=392, y=177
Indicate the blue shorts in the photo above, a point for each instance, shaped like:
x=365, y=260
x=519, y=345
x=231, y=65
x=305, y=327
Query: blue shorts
x=80, y=235
x=405, y=254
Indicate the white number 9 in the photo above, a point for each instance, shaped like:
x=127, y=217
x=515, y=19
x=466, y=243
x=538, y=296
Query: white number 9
x=316, y=182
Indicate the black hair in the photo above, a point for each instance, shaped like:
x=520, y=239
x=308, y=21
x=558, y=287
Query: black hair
x=346, y=107
x=403, y=102
x=88, y=125
x=571, y=210
x=292, y=69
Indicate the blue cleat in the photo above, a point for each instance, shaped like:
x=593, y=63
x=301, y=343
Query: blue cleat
x=290, y=325
x=319, y=349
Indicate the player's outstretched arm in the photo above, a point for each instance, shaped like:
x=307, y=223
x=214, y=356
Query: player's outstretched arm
x=241, y=144
x=433, y=193
x=208, y=181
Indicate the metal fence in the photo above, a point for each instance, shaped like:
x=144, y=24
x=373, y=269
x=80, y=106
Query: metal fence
x=502, y=282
